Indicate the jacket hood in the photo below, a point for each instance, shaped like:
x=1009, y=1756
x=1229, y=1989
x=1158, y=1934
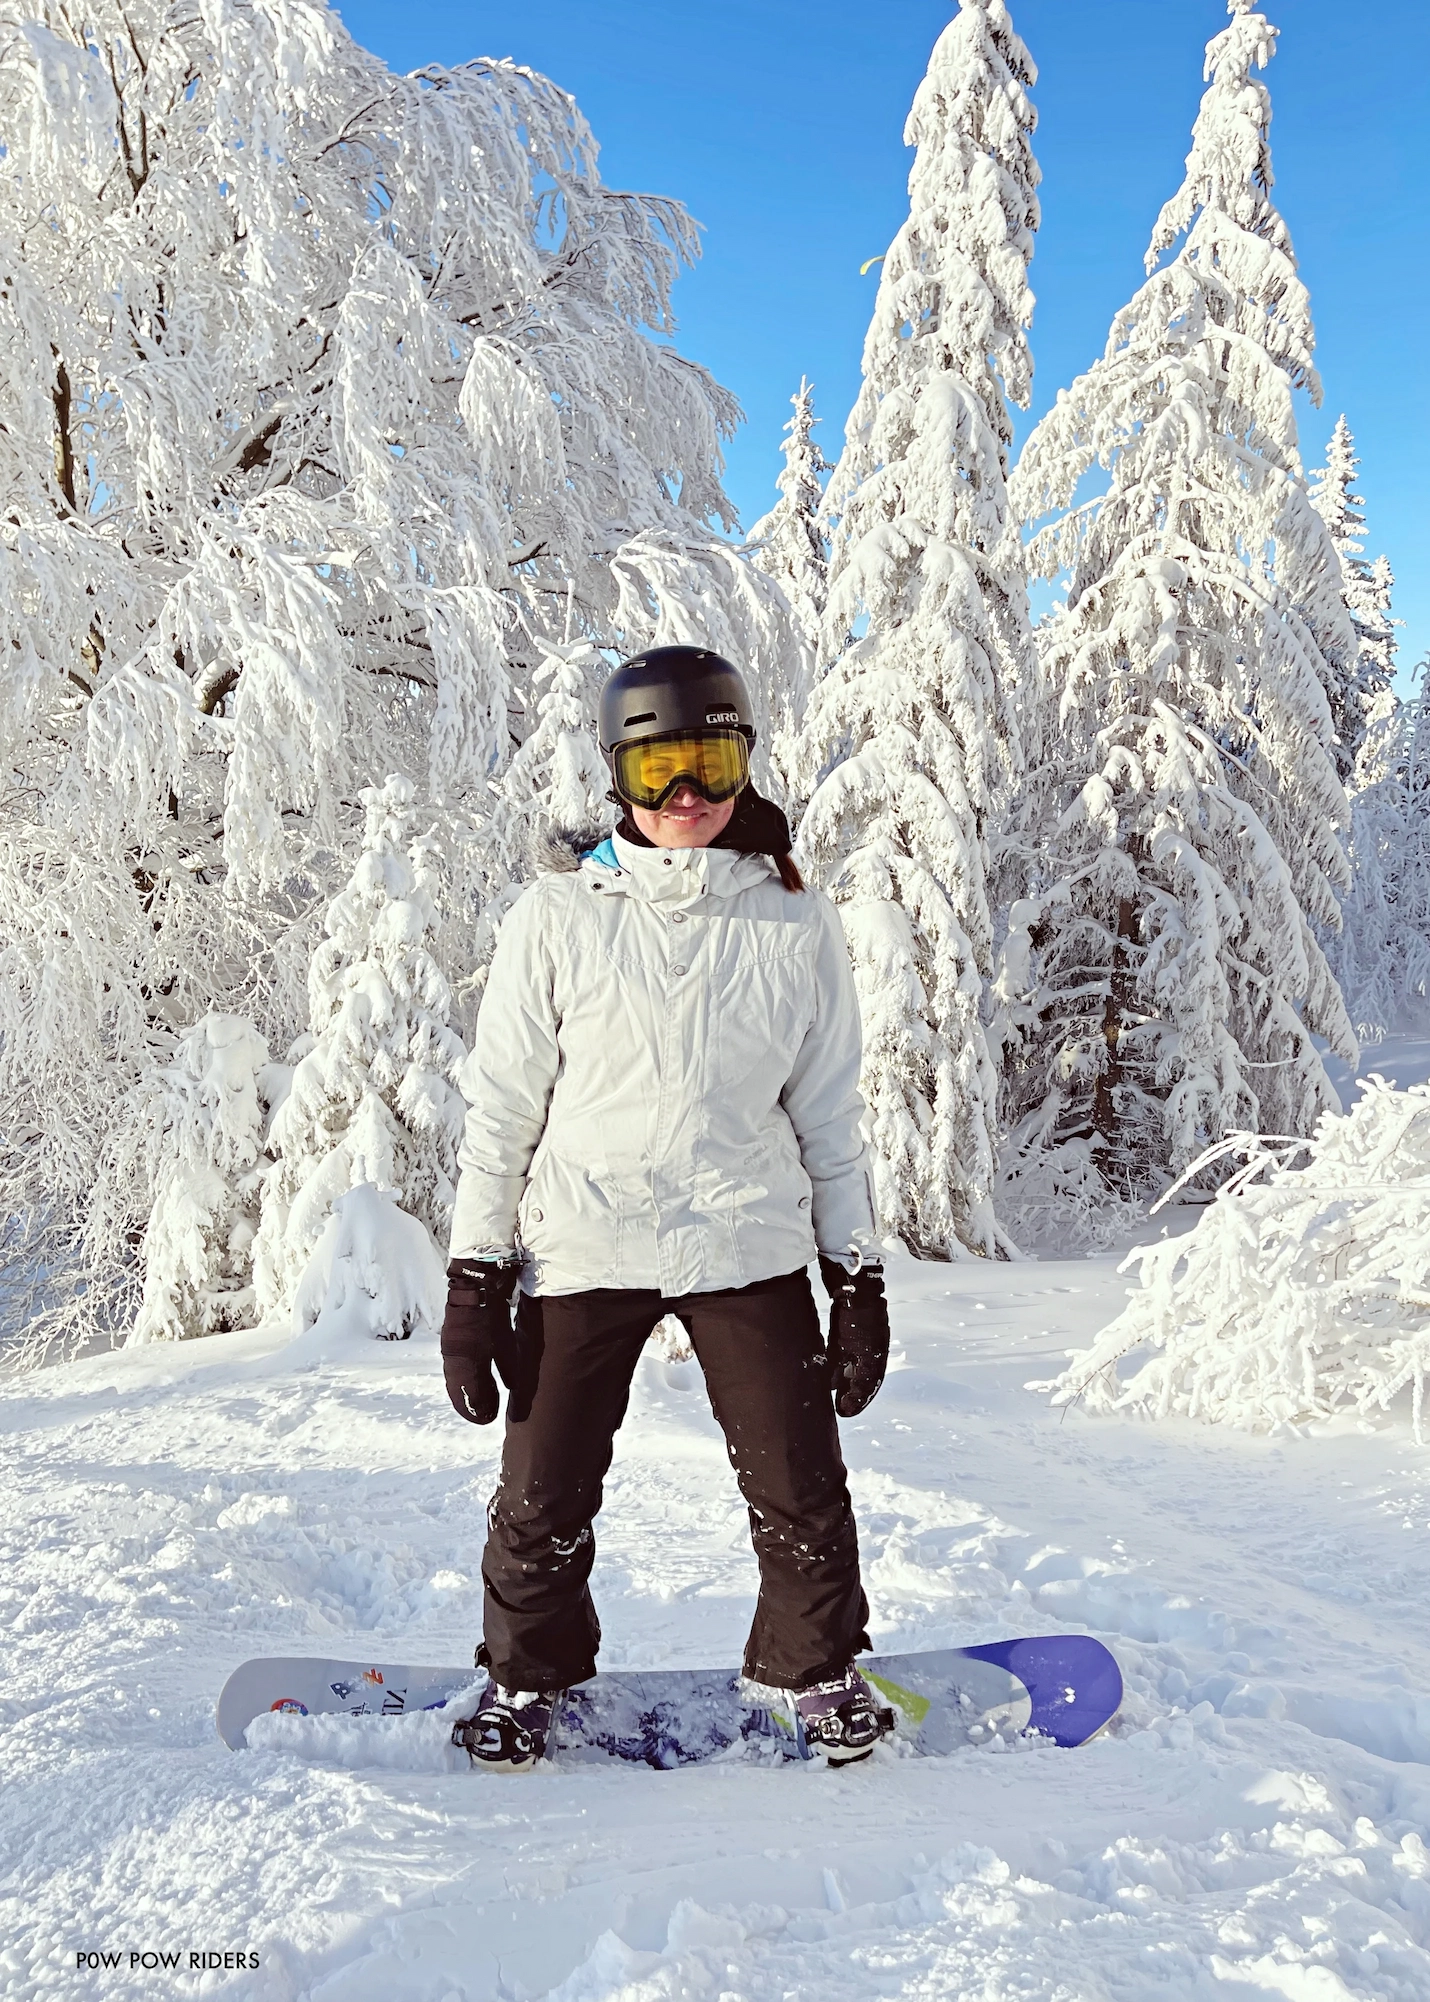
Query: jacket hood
x=614, y=864
x=557, y=851
x=671, y=875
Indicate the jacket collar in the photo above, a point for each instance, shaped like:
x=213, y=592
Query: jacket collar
x=670, y=875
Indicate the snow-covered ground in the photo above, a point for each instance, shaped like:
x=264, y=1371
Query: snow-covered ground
x=1400, y=1060
x=1254, y=1825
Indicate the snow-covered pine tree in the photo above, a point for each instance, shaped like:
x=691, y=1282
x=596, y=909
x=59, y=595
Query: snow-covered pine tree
x=210, y=1109
x=911, y=736
x=373, y=1098
x=558, y=777
x=332, y=398
x=1382, y=956
x=1379, y=961
x=1368, y=589
x=1190, y=810
x=1410, y=943
x=788, y=543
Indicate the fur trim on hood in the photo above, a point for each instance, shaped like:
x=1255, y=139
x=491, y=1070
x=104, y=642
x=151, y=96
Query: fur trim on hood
x=557, y=851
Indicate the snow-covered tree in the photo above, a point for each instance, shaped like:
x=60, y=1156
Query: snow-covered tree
x=332, y=399
x=1382, y=955
x=673, y=592
x=1367, y=588
x=1302, y=1293
x=788, y=543
x=558, y=777
x=911, y=736
x=209, y=1107
x=1164, y=983
x=375, y=1275
x=373, y=1097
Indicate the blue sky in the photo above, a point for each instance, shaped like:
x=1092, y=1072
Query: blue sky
x=779, y=124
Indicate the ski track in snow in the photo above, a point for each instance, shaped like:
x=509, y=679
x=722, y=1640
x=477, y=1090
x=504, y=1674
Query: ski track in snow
x=1253, y=1826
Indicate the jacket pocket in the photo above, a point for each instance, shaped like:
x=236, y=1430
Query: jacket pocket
x=565, y=1205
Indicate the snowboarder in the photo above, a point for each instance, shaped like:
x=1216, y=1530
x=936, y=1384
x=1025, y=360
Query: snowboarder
x=664, y=1118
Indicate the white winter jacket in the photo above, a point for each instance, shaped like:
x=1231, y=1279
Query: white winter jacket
x=663, y=1090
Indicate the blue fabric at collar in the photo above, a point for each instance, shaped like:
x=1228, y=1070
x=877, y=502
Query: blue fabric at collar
x=605, y=855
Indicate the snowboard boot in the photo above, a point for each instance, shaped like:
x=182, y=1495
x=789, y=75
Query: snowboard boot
x=842, y=1718
x=509, y=1731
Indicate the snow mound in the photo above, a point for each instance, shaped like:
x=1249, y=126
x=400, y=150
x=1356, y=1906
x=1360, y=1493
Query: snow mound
x=1303, y=1292
x=374, y=1275
x=420, y=1743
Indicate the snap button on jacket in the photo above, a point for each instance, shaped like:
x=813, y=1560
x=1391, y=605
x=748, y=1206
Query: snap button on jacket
x=639, y=1122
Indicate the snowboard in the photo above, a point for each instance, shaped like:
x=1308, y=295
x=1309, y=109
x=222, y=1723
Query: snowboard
x=1065, y=1687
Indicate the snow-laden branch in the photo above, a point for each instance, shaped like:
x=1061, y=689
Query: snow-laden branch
x=1302, y=1293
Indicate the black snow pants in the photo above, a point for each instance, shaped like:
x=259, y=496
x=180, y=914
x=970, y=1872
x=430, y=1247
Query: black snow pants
x=765, y=1369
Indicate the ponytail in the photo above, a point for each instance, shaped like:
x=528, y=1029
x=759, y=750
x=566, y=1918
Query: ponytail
x=789, y=871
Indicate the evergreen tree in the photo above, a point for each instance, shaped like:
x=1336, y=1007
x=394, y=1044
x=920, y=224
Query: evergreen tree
x=373, y=1097
x=788, y=543
x=1164, y=985
x=558, y=777
x=1411, y=900
x=911, y=736
x=209, y=1106
x=1382, y=956
x=1367, y=589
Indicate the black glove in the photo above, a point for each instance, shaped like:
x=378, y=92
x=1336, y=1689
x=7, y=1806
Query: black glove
x=477, y=1332
x=858, y=1333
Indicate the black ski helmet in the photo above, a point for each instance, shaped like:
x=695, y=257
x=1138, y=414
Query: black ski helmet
x=673, y=688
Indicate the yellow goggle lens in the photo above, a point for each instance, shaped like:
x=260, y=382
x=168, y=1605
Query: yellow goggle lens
x=715, y=763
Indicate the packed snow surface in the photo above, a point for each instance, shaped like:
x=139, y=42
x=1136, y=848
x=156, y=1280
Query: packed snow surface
x=1253, y=1826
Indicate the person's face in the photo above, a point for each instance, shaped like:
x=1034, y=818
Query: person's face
x=685, y=821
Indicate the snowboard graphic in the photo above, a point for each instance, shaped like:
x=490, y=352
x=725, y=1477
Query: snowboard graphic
x=1064, y=1686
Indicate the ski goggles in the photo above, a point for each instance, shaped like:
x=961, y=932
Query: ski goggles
x=714, y=763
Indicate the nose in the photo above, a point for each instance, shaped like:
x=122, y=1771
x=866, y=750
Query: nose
x=684, y=797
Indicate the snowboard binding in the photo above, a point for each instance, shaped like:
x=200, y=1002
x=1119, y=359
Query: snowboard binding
x=842, y=1718
x=508, y=1733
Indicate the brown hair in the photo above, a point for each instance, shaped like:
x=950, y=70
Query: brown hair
x=789, y=871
